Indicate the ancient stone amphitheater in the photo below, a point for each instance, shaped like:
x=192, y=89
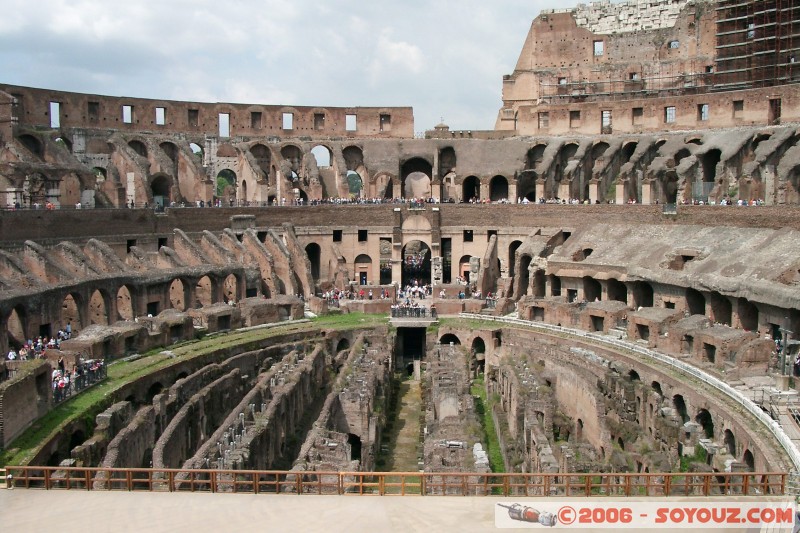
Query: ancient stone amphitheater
x=604, y=304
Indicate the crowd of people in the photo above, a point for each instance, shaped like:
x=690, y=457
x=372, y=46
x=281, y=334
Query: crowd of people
x=83, y=374
x=35, y=348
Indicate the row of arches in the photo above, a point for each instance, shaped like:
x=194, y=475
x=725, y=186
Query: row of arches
x=104, y=307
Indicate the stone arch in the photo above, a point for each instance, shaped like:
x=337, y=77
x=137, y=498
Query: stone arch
x=204, y=292
x=617, y=291
x=362, y=268
x=353, y=158
x=17, y=327
x=139, y=147
x=177, y=295
x=512, y=262
x=471, y=189
x=416, y=255
x=263, y=157
x=294, y=156
x=161, y=189
x=749, y=460
x=314, y=254
x=748, y=314
x=244, y=191
x=448, y=338
x=100, y=174
x=730, y=442
x=98, y=308
x=355, y=184
x=447, y=161
x=478, y=352
x=196, y=150
x=592, y=290
x=534, y=156
x=415, y=178
x=705, y=420
x=33, y=144
x=225, y=184
x=539, y=284
x=230, y=289
x=342, y=345
x=680, y=407
x=498, y=188
x=464, y=266
x=171, y=151
x=642, y=294
x=721, y=309
x=71, y=312
x=153, y=391
x=680, y=155
x=656, y=386
x=523, y=276
x=125, y=304
x=323, y=156
x=695, y=302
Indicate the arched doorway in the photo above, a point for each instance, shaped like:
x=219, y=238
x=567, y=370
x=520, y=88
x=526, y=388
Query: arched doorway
x=498, y=189
x=322, y=155
x=478, y=351
x=471, y=189
x=160, y=188
x=730, y=442
x=617, y=291
x=695, y=302
x=354, y=184
x=415, y=176
x=512, y=261
x=464, y=267
x=15, y=327
x=124, y=303
x=226, y=186
x=416, y=263
x=449, y=338
x=177, y=298
x=362, y=268
x=203, y=292
x=70, y=312
x=704, y=419
x=230, y=289
x=314, y=252
x=98, y=311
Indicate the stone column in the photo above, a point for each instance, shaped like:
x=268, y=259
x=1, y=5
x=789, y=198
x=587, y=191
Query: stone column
x=647, y=191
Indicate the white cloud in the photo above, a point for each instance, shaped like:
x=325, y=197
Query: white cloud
x=445, y=58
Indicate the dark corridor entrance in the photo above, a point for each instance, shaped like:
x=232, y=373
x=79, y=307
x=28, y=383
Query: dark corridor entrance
x=410, y=347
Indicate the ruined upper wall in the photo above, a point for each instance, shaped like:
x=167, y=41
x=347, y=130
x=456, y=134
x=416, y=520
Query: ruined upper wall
x=606, y=17
x=32, y=108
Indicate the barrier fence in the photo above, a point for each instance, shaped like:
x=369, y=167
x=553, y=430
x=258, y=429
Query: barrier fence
x=399, y=483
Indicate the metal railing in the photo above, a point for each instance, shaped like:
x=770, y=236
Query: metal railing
x=413, y=312
x=400, y=483
x=774, y=428
x=79, y=383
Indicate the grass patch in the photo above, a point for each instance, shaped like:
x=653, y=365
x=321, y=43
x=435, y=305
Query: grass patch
x=101, y=396
x=484, y=412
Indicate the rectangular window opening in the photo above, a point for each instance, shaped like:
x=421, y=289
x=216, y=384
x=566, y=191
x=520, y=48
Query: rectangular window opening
x=386, y=122
x=467, y=235
x=130, y=244
x=319, y=121
x=162, y=241
x=350, y=122
x=637, y=115
x=738, y=108
x=288, y=121
x=674, y=44
x=55, y=115
x=669, y=114
x=224, y=125
x=574, y=119
x=93, y=111
x=599, y=47
x=194, y=117
x=161, y=116
x=362, y=235
x=127, y=114
x=337, y=235
x=256, y=118
x=605, y=121
x=489, y=234
x=544, y=120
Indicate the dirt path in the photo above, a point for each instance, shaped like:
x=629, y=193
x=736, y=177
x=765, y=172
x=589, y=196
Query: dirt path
x=404, y=438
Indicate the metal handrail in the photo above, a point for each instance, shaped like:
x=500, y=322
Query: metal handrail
x=589, y=484
x=774, y=428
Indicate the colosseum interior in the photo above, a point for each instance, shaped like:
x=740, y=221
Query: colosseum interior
x=610, y=321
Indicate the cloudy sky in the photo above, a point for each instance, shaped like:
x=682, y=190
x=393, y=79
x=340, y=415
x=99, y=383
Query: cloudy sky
x=446, y=58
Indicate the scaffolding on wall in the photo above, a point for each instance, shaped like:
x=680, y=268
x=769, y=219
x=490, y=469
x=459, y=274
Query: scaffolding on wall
x=757, y=43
